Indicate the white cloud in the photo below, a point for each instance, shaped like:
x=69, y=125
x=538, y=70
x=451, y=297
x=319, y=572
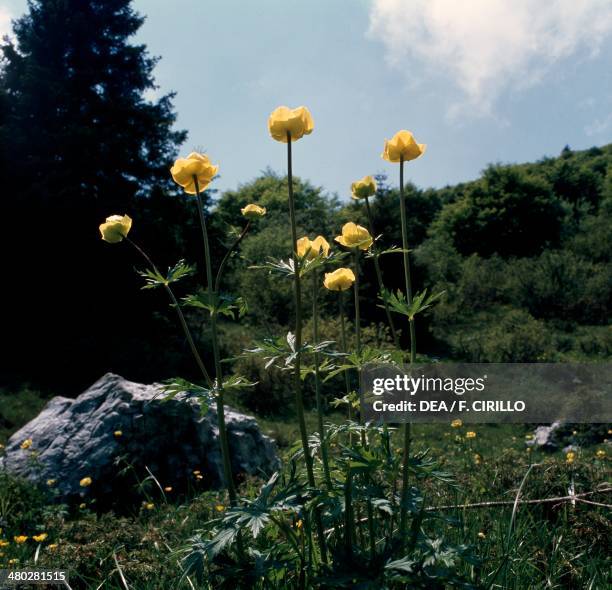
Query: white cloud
x=5, y=22
x=488, y=47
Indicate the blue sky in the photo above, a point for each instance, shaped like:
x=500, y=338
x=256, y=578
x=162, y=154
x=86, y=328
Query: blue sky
x=479, y=81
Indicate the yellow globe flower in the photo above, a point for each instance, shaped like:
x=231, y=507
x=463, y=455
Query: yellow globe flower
x=310, y=249
x=198, y=165
x=298, y=122
x=20, y=539
x=40, y=538
x=118, y=433
x=402, y=147
x=470, y=434
x=85, y=482
x=219, y=508
x=51, y=482
x=26, y=444
x=115, y=228
x=4, y=543
x=570, y=457
x=355, y=236
x=149, y=505
x=600, y=454
x=366, y=187
x=52, y=547
x=339, y=280
x=253, y=211
x=457, y=423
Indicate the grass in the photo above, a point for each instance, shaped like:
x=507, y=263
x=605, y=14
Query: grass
x=551, y=545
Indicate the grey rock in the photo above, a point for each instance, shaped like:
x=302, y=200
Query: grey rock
x=543, y=437
x=73, y=439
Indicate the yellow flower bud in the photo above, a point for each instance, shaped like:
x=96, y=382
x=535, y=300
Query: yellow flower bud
x=339, y=280
x=366, y=187
x=26, y=444
x=149, y=506
x=354, y=236
x=570, y=457
x=310, y=249
x=470, y=434
x=118, y=433
x=40, y=538
x=115, y=228
x=20, y=539
x=253, y=211
x=85, y=482
x=402, y=146
x=198, y=165
x=457, y=423
x=52, y=547
x=298, y=122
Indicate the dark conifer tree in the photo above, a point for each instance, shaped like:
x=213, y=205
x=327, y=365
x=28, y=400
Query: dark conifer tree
x=79, y=141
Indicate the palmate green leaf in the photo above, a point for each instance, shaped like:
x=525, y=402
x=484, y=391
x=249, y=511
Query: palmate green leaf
x=235, y=383
x=154, y=279
x=357, y=361
x=399, y=304
x=287, y=268
x=391, y=250
x=220, y=303
x=281, y=352
x=174, y=387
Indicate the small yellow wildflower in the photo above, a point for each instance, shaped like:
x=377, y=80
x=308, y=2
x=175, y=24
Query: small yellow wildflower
x=4, y=543
x=600, y=454
x=115, y=228
x=570, y=457
x=13, y=561
x=253, y=211
x=470, y=434
x=20, y=539
x=26, y=444
x=40, y=538
x=477, y=459
x=528, y=436
x=481, y=535
x=149, y=506
x=528, y=450
x=118, y=433
x=168, y=489
x=52, y=547
x=299, y=524
x=219, y=508
x=83, y=506
x=457, y=423
x=199, y=477
x=339, y=280
x=197, y=472
x=85, y=482
x=51, y=482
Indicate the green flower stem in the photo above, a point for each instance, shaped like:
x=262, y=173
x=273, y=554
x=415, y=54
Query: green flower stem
x=225, y=453
x=315, y=341
x=407, y=280
x=381, y=285
x=363, y=434
x=407, y=427
x=226, y=258
x=347, y=382
x=299, y=401
x=180, y=314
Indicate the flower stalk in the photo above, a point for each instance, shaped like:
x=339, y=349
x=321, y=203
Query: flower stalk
x=179, y=311
x=299, y=400
x=379, y=278
x=319, y=401
x=407, y=426
x=223, y=439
